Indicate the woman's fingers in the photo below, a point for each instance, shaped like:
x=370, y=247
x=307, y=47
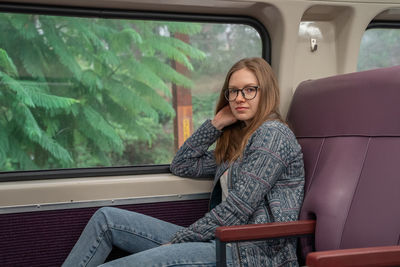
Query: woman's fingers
x=223, y=118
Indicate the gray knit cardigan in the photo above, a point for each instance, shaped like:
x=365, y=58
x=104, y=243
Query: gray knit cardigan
x=265, y=185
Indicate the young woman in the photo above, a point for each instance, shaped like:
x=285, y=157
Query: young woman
x=258, y=175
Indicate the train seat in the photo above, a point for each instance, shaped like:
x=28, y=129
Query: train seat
x=349, y=129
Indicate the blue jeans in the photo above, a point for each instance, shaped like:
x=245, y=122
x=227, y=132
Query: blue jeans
x=141, y=235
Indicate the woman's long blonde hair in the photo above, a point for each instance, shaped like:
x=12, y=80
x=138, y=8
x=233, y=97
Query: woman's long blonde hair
x=233, y=140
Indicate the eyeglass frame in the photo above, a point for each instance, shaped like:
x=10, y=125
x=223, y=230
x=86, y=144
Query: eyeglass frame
x=226, y=93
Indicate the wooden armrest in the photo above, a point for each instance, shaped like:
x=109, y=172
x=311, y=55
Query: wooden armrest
x=368, y=257
x=264, y=231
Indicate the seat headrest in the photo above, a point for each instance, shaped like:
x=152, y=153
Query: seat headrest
x=357, y=104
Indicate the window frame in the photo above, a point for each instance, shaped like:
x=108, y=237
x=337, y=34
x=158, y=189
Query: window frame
x=121, y=14
x=384, y=24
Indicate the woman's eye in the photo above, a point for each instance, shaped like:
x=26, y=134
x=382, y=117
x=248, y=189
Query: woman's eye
x=249, y=89
x=233, y=91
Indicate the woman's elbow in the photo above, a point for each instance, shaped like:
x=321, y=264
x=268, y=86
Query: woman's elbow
x=174, y=168
x=179, y=169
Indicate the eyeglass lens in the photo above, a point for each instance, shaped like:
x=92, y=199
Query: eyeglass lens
x=247, y=93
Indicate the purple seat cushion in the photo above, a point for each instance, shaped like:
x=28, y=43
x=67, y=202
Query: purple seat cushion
x=361, y=103
x=349, y=129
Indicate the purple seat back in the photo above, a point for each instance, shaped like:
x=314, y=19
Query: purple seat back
x=349, y=129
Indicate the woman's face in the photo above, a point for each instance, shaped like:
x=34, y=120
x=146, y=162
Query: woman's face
x=242, y=108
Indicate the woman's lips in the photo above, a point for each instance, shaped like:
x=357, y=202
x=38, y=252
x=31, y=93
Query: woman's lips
x=241, y=108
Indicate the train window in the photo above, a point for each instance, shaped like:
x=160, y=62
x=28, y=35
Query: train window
x=88, y=92
x=379, y=48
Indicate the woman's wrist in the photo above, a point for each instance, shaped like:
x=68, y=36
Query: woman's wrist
x=217, y=124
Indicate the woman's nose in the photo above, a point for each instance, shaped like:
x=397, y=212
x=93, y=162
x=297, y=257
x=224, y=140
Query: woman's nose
x=240, y=97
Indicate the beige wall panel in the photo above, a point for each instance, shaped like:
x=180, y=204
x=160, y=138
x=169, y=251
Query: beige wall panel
x=99, y=188
x=321, y=62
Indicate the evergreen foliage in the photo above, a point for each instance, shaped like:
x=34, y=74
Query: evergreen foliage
x=78, y=92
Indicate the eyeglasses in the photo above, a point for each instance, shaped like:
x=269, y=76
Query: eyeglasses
x=248, y=93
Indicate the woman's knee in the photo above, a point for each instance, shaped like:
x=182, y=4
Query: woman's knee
x=105, y=211
x=111, y=215
x=103, y=215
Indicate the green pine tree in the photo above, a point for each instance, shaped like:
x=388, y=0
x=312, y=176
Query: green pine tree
x=78, y=92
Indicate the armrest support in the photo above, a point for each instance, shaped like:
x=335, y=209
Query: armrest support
x=236, y=233
x=370, y=257
x=264, y=231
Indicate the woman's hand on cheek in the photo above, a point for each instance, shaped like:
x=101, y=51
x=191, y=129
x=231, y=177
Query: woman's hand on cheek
x=223, y=118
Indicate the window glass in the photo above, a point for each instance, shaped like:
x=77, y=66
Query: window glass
x=379, y=48
x=89, y=92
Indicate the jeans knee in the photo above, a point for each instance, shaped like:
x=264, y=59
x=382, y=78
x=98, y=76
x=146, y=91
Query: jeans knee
x=106, y=210
x=102, y=214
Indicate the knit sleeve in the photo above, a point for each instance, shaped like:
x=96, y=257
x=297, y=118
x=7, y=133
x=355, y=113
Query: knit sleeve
x=193, y=158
